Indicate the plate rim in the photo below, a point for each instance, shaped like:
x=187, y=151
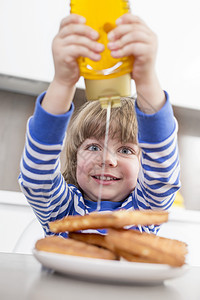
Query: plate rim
x=100, y=269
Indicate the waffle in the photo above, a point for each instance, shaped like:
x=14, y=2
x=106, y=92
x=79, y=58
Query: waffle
x=119, y=242
x=92, y=239
x=73, y=247
x=136, y=246
x=118, y=219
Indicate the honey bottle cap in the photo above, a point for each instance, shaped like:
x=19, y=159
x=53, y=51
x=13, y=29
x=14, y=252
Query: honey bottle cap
x=110, y=89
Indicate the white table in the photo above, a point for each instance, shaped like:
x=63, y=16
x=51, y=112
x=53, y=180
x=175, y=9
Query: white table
x=21, y=277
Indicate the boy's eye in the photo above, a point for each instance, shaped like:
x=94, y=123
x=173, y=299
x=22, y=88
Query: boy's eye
x=126, y=150
x=93, y=147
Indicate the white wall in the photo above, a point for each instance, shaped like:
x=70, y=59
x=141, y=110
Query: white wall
x=19, y=229
x=26, y=32
x=28, y=27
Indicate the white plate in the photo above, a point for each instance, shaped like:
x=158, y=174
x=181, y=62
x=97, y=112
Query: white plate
x=108, y=270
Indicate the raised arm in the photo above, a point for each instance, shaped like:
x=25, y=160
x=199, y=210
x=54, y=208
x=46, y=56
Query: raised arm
x=40, y=178
x=157, y=128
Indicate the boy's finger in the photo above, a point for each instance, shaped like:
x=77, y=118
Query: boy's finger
x=129, y=19
x=124, y=29
x=83, y=41
x=138, y=36
x=135, y=49
x=79, y=29
x=118, y=32
x=74, y=52
x=72, y=18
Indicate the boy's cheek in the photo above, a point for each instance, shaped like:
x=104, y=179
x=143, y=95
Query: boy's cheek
x=83, y=167
x=87, y=157
x=132, y=184
x=132, y=175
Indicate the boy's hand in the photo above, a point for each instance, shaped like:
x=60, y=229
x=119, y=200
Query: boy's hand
x=73, y=40
x=133, y=37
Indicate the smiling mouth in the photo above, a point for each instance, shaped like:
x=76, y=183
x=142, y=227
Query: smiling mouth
x=105, y=178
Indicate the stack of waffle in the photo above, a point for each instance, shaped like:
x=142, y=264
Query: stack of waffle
x=131, y=245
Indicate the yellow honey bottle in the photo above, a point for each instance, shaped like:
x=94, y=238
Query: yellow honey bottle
x=108, y=78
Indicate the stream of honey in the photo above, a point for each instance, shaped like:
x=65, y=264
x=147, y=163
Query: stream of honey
x=105, y=149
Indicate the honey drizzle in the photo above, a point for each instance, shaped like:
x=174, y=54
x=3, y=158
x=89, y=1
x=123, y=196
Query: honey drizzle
x=108, y=112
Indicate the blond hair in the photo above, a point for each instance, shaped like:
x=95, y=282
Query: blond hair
x=90, y=121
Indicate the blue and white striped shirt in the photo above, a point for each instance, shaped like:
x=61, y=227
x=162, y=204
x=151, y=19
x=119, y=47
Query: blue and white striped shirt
x=51, y=198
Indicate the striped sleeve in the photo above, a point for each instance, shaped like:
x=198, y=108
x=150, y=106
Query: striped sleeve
x=41, y=181
x=40, y=178
x=159, y=176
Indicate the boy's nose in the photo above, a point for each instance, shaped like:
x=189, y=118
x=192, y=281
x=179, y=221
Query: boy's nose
x=110, y=159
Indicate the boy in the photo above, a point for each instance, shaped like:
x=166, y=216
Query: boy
x=133, y=178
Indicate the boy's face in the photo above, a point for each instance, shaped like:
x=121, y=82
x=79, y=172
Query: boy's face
x=122, y=165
